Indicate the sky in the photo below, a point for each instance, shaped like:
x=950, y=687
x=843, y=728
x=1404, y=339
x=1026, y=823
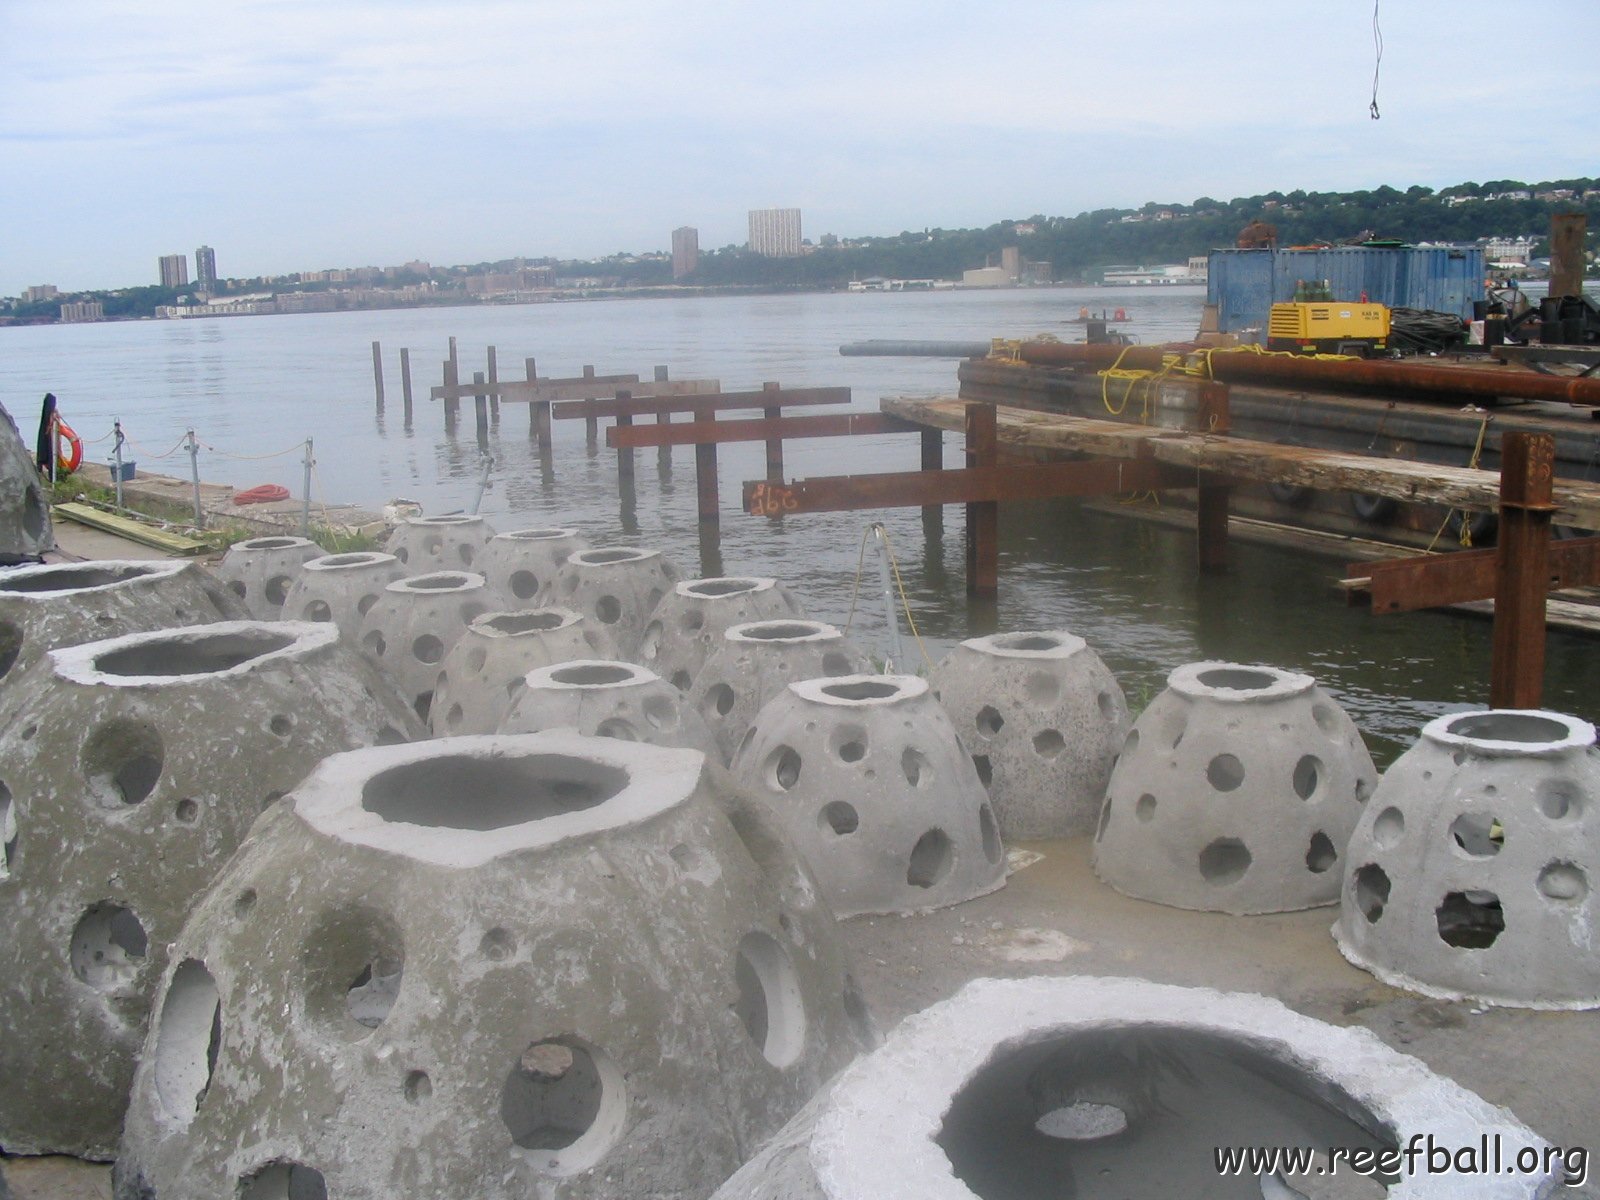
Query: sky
x=299, y=135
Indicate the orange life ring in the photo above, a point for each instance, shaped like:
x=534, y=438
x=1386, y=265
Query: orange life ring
x=265, y=493
x=69, y=447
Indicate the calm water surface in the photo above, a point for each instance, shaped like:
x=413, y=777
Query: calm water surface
x=256, y=386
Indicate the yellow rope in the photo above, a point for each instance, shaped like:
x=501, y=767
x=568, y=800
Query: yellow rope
x=855, y=592
x=905, y=602
x=1465, y=536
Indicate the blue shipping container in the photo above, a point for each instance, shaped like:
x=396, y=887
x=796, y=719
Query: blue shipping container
x=1245, y=284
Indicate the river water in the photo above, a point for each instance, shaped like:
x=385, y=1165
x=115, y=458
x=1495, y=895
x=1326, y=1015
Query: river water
x=254, y=387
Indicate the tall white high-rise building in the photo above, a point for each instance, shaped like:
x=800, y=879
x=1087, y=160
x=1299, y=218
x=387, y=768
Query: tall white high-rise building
x=775, y=232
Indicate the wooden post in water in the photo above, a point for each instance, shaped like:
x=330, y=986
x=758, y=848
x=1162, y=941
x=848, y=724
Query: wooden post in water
x=1522, y=569
x=705, y=474
x=452, y=406
x=494, y=397
x=932, y=439
x=405, y=382
x=624, y=453
x=480, y=408
x=1211, y=506
x=377, y=371
x=983, y=516
x=774, y=444
x=663, y=453
x=591, y=426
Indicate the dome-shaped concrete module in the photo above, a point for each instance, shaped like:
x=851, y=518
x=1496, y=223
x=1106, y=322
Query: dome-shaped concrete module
x=687, y=626
x=1044, y=720
x=414, y=624
x=260, y=571
x=25, y=531
x=1236, y=792
x=618, y=586
x=62, y=604
x=485, y=671
x=340, y=588
x=1041, y=1088
x=519, y=564
x=607, y=699
x=132, y=768
x=755, y=662
x=1473, y=870
x=874, y=788
x=451, y=543
x=495, y=967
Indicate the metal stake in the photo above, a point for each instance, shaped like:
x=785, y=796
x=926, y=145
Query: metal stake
x=483, y=483
x=889, y=610
x=194, y=474
x=305, y=505
x=116, y=460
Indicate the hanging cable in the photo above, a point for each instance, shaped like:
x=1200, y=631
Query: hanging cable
x=1377, y=43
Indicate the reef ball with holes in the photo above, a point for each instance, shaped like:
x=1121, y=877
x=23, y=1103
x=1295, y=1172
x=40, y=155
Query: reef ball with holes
x=875, y=789
x=62, y=604
x=498, y=967
x=1472, y=873
x=1034, y=1088
x=520, y=563
x=485, y=671
x=24, y=513
x=130, y=770
x=260, y=571
x=413, y=625
x=1044, y=720
x=618, y=586
x=607, y=699
x=340, y=588
x=687, y=626
x=449, y=543
x=1236, y=792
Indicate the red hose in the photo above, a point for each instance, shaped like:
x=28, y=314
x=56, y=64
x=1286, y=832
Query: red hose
x=265, y=493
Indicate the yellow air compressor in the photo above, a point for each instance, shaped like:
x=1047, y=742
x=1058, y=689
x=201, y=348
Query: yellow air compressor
x=1328, y=327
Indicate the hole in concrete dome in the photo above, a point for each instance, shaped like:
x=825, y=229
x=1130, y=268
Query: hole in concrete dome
x=364, y=605
x=344, y=560
x=682, y=680
x=1560, y=799
x=650, y=644
x=569, y=584
x=423, y=704
x=1043, y=690
x=918, y=770
x=72, y=578
x=593, y=675
x=122, y=762
x=839, y=817
x=515, y=686
x=1320, y=855
x=778, y=631
x=374, y=644
x=617, y=727
x=608, y=609
x=8, y=831
x=563, y=1101
x=236, y=586
x=402, y=554
x=453, y=716
x=389, y=736
x=1130, y=743
x=1105, y=819
x=285, y=1181
x=281, y=724
x=835, y=664
x=1048, y=743
x=1225, y=772
x=277, y=590
x=1307, y=776
x=661, y=712
x=477, y=659
x=1371, y=886
x=417, y=1087
x=497, y=944
x=852, y=745
x=1116, y=1112
x=433, y=544
x=108, y=946
x=373, y=991
x=316, y=610
x=1145, y=807
x=466, y=553
x=719, y=699
x=438, y=582
x=185, y=653
x=1563, y=881
x=855, y=1007
x=186, y=811
x=1327, y=719
x=861, y=690
x=455, y=791
x=722, y=587
x=783, y=768
x=989, y=721
x=1224, y=861
x=1108, y=705
x=1479, y=834
x=524, y=585
x=1027, y=641
x=989, y=832
x=1389, y=828
x=769, y=1003
x=188, y=1039
x=1236, y=679
x=1508, y=727
x=931, y=859
x=269, y=543
x=602, y=558
x=427, y=648
x=984, y=768
x=10, y=646
x=244, y=903
x=354, y=963
x=1470, y=920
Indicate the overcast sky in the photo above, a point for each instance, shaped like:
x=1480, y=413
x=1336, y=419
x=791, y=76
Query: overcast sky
x=303, y=134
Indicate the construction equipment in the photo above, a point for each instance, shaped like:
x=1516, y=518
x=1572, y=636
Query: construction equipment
x=1328, y=327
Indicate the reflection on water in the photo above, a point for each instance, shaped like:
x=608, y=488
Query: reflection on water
x=253, y=386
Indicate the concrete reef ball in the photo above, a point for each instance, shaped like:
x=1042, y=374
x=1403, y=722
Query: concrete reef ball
x=1236, y=792
x=755, y=662
x=62, y=604
x=519, y=564
x=340, y=588
x=1044, y=719
x=1470, y=874
x=1033, y=1089
x=131, y=770
x=260, y=571
x=875, y=789
x=414, y=623
x=686, y=628
x=619, y=586
x=25, y=531
x=487, y=669
x=608, y=699
x=495, y=967
x=451, y=543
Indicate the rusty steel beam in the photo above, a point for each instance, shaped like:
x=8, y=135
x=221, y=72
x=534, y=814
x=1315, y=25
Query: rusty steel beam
x=1373, y=377
x=567, y=410
x=759, y=429
x=1522, y=569
x=1399, y=585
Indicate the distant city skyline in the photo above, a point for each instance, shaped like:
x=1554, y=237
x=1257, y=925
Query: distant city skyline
x=296, y=135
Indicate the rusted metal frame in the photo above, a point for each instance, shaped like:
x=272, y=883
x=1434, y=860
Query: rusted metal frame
x=1211, y=504
x=775, y=443
x=705, y=473
x=624, y=453
x=983, y=516
x=760, y=429
x=1522, y=569
x=1400, y=585
x=567, y=410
